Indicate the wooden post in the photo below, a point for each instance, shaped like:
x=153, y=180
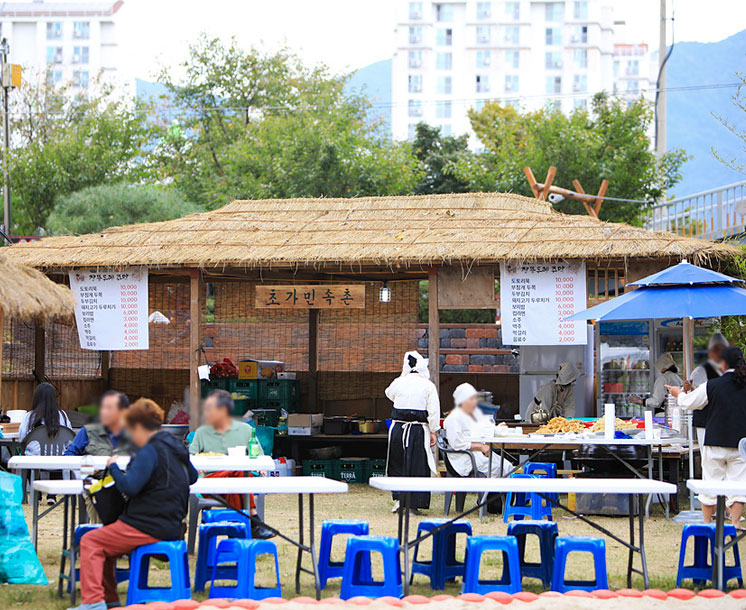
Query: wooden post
x=195, y=284
x=600, y=196
x=531, y=180
x=106, y=370
x=433, y=329
x=40, y=348
x=313, y=359
x=548, y=183
x=579, y=188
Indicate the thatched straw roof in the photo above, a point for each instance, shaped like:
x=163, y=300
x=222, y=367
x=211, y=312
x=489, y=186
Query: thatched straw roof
x=26, y=293
x=465, y=228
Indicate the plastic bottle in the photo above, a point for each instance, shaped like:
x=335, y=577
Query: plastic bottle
x=253, y=444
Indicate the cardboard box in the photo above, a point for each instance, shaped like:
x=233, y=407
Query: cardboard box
x=303, y=430
x=286, y=375
x=259, y=369
x=305, y=420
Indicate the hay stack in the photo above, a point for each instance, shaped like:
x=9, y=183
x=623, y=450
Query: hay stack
x=27, y=293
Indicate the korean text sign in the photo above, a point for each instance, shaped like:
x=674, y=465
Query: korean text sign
x=321, y=296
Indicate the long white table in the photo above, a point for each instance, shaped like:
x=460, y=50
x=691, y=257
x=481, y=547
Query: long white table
x=636, y=488
x=721, y=490
x=72, y=489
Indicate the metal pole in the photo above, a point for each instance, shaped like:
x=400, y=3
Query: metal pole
x=660, y=127
x=7, y=219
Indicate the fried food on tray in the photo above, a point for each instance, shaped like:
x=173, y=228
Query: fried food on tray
x=619, y=424
x=558, y=425
x=210, y=454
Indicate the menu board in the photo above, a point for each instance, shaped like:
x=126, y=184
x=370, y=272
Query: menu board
x=535, y=298
x=112, y=309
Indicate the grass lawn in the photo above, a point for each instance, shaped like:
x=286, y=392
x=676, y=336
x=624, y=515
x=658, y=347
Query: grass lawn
x=662, y=545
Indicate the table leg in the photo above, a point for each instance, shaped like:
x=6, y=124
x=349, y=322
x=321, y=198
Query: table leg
x=63, y=556
x=299, y=560
x=663, y=499
x=643, y=558
x=650, y=476
x=73, y=510
x=631, y=554
x=406, y=497
x=312, y=546
x=34, y=518
x=718, y=566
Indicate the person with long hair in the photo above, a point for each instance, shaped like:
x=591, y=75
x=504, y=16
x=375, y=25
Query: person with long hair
x=725, y=426
x=44, y=412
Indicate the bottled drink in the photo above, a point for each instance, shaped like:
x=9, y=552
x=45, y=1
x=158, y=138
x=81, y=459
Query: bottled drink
x=86, y=466
x=253, y=445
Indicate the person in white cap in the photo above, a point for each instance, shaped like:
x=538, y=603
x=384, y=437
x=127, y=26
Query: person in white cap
x=557, y=397
x=415, y=421
x=667, y=375
x=463, y=424
x=712, y=369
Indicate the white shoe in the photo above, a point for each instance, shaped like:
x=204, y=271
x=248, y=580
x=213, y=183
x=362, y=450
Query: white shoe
x=97, y=606
x=396, y=507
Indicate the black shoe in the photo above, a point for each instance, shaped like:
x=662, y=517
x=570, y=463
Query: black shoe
x=259, y=532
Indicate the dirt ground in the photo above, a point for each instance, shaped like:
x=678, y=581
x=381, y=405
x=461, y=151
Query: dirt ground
x=661, y=538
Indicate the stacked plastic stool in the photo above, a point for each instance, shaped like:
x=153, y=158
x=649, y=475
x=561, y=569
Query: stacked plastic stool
x=208, y=542
x=175, y=551
x=225, y=515
x=243, y=554
x=334, y=569
x=545, y=470
x=519, y=505
x=509, y=582
x=123, y=574
x=356, y=582
x=572, y=544
x=443, y=565
x=700, y=571
x=547, y=533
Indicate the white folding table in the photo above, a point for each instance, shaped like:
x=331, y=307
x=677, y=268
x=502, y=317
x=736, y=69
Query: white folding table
x=636, y=488
x=721, y=490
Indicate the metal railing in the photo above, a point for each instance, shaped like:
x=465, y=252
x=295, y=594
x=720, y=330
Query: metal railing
x=715, y=214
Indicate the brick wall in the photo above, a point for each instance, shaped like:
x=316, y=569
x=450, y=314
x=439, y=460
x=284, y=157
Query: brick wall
x=471, y=348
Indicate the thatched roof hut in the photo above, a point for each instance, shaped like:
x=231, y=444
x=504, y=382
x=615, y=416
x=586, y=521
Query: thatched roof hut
x=370, y=231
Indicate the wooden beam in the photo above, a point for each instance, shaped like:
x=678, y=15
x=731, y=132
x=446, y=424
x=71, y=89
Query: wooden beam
x=548, y=183
x=433, y=328
x=40, y=349
x=313, y=359
x=600, y=196
x=531, y=181
x=579, y=189
x=106, y=369
x=195, y=285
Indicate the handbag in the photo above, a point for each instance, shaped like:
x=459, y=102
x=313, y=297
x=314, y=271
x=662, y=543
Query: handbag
x=105, y=497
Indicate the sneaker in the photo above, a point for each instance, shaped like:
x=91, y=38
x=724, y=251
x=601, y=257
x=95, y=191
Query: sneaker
x=51, y=500
x=116, y=604
x=396, y=507
x=97, y=606
x=259, y=532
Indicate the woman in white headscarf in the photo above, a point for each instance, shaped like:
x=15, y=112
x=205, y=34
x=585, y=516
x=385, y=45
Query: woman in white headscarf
x=667, y=375
x=415, y=421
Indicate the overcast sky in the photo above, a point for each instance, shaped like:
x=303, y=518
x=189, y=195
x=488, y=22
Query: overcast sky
x=349, y=34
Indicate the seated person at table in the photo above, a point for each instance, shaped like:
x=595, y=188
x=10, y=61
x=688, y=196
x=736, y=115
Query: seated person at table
x=221, y=432
x=725, y=399
x=461, y=425
x=44, y=412
x=157, y=487
x=108, y=437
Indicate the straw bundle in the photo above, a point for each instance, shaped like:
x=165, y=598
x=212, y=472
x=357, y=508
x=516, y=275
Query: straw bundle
x=463, y=228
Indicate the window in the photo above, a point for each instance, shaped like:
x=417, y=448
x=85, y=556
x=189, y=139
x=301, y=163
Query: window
x=445, y=129
x=512, y=102
x=415, y=10
x=633, y=86
x=444, y=85
x=512, y=34
x=54, y=55
x=54, y=78
x=484, y=10
x=580, y=104
x=580, y=83
x=415, y=83
x=554, y=36
x=54, y=30
x=81, y=30
x=444, y=12
x=554, y=11
x=553, y=60
x=483, y=83
x=415, y=59
x=633, y=67
x=443, y=110
x=554, y=84
x=80, y=79
x=415, y=34
x=483, y=34
x=513, y=58
x=444, y=37
x=484, y=59
x=444, y=61
x=411, y=131
x=580, y=9
x=511, y=82
x=415, y=108
x=479, y=104
x=580, y=34
x=513, y=10
x=580, y=57
x=616, y=68
x=80, y=55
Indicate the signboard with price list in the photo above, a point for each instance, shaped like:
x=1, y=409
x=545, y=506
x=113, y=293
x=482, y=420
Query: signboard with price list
x=112, y=309
x=535, y=298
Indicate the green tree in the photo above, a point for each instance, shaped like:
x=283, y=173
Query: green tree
x=438, y=155
x=739, y=101
x=95, y=208
x=610, y=141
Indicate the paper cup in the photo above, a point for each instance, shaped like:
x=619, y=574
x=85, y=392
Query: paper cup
x=237, y=451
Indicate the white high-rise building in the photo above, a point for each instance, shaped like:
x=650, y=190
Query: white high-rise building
x=454, y=55
x=75, y=41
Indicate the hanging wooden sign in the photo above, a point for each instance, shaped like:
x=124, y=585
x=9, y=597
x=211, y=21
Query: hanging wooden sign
x=322, y=296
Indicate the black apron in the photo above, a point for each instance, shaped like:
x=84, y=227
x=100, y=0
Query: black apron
x=406, y=452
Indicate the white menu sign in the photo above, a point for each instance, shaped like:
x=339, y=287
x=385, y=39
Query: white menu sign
x=535, y=298
x=112, y=309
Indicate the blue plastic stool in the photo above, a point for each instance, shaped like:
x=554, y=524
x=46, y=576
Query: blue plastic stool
x=547, y=533
x=704, y=552
x=334, y=569
x=563, y=547
x=224, y=515
x=178, y=562
x=443, y=564
x=243, y=555
x=546, y=470
x=208, y=542
x=122, y=574
x=509, y=582
x=519, y=505
x=355, y=582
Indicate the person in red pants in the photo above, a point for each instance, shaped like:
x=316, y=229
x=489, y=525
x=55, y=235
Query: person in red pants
x=157, y=487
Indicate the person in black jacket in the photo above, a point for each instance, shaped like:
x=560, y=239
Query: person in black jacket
x=156, y=486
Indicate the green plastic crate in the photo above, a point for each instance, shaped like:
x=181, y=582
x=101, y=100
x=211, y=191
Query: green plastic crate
x=279, y=389
x=377, y=468
x=278, y=405
x=241, y=405
x=351, y=470
x=245, y=387
x=317, y=468
x=208, y=385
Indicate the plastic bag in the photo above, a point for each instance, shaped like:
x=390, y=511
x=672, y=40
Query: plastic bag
x=19, y=564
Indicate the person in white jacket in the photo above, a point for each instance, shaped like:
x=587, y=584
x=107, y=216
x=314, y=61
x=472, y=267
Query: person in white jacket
x=415, y=422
